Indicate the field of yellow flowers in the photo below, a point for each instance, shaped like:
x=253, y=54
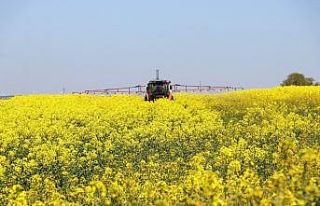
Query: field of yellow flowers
x=255, y=147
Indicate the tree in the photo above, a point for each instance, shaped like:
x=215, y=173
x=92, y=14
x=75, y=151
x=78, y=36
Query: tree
x=298, y=80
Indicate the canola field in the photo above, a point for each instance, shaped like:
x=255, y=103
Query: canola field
x=255, y=147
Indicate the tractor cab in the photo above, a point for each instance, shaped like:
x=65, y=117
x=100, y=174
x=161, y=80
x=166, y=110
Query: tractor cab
x=158, y=89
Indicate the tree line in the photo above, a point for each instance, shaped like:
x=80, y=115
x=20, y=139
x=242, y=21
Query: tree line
x=299, y=79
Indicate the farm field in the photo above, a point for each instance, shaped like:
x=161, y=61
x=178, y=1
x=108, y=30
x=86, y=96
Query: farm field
x=254, y=147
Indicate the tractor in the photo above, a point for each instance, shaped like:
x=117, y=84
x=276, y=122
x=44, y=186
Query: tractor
x=158, y=89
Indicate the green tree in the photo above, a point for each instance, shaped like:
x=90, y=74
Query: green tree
x=298, y=80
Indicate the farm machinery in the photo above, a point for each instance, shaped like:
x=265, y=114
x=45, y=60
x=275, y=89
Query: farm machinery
x=158, y=88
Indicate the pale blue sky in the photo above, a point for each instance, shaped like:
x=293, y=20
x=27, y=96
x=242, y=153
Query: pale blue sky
x=47, y=45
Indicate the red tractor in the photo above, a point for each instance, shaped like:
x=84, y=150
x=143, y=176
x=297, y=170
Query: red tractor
x=158, y=89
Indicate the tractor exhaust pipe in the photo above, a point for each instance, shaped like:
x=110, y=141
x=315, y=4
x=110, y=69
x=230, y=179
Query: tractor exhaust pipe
x=157, y=74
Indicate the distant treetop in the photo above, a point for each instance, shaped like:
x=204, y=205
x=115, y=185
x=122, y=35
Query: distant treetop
x=298, y=79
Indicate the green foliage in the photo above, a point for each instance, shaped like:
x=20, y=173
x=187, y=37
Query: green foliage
x=298, y=79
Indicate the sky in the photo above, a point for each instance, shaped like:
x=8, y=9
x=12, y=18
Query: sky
x=46, y=46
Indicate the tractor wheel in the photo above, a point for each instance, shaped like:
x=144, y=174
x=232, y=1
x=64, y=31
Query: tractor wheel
x=148, y=98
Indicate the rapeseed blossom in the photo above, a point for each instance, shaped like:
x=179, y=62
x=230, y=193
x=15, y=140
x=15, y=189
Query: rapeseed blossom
x=254, y=147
